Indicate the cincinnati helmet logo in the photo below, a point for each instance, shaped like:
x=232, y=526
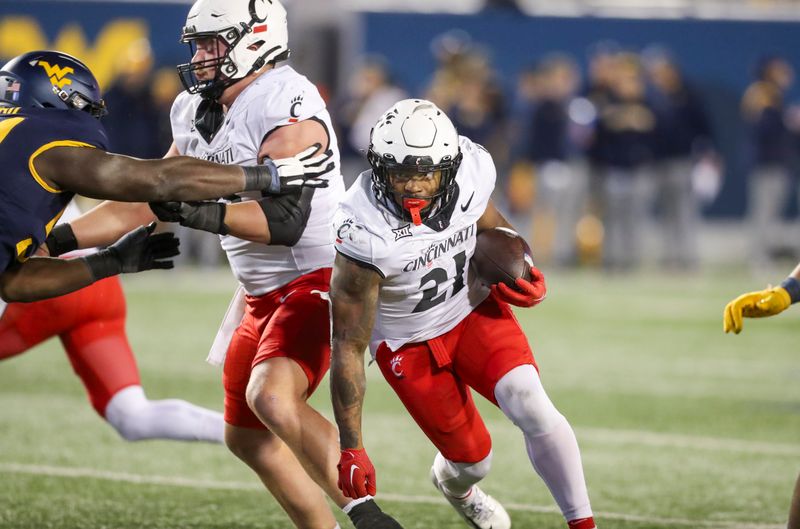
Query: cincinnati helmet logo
x=57, y=74
x=396, y=366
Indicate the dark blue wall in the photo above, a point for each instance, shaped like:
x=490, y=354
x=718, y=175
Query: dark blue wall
x=164, y=20
x=717, y=56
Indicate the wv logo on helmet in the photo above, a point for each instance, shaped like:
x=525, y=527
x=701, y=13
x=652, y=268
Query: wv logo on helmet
x=57, y=74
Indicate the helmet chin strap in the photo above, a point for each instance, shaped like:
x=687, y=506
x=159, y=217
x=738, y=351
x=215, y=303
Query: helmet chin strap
x=414, y=206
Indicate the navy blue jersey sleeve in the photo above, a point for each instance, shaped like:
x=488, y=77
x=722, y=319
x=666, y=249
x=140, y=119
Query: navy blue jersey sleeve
x=29, y=207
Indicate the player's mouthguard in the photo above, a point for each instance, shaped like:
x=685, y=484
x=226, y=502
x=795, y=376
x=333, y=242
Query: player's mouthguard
x=414, y=206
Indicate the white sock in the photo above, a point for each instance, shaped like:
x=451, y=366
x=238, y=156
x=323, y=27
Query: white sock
x=549, y=439
x=457, y=479
x=135, y=418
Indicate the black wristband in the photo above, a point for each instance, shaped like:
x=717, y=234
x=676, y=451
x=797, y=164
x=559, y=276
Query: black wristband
x=792, y=286
x=260, y=177
x=61, y=240
x=103, y=264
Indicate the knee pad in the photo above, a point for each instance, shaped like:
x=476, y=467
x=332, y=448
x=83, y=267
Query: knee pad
x=522, y=398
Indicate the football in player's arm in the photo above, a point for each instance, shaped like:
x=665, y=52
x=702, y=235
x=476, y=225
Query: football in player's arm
x=53, y=147
x=405, y=233
x=354, y=299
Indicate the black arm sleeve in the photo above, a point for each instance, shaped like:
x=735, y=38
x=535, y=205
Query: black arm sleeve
x=287, y=215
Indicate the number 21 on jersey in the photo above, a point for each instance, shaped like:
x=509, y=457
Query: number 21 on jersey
x=430, y=295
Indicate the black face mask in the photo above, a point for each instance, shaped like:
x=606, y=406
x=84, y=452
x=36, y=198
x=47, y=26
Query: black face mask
x=208, y=118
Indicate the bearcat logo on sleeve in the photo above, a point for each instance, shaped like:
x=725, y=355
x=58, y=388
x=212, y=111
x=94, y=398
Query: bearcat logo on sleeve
x=351, y=231
x=294, y=110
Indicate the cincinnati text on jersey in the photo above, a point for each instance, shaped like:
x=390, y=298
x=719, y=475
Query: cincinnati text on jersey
x=224, y=156
x=438, y=248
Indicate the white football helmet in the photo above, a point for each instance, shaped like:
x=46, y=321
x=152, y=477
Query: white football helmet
x=253, y=33
x=415, y=136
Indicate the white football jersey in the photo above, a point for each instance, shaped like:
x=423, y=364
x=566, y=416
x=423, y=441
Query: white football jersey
x=427, y=286
x=276, y=98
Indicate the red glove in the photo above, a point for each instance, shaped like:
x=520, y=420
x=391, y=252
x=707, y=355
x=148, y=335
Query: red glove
x=528, y=293
x=356, y=474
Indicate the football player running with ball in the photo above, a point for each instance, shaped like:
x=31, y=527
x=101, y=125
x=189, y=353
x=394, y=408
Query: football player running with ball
x=761, y=304
x=405, y=234
x=243, y=105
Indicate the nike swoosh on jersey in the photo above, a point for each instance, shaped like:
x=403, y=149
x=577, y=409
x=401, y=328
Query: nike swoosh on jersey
x=465, y=207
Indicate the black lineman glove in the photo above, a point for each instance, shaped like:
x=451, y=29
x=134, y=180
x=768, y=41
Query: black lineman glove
x=286, y=175
x=137, y=251
x=61, y=240
x=206, y=216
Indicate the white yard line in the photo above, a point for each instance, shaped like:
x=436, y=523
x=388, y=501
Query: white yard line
x=77, y=472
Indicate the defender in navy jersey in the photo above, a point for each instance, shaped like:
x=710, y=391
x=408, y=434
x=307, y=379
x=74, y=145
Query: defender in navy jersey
x=51, y=147
x=29, y=206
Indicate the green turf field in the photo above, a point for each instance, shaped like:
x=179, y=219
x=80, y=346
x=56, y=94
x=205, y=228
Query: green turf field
x=680, y=425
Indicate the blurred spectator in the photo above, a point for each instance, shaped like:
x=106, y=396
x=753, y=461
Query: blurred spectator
x=465, y=87
x=622, y=149
x=770, y=146
x=165, y=88
x=597, y=92
x=138, y=125
x=370, y=93
x=548, y=137
x=517, y=185
x=133, y=120
x=682, y=140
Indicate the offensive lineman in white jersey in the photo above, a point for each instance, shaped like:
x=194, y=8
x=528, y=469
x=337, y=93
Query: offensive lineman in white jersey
x=406, y=231
x=241, y=106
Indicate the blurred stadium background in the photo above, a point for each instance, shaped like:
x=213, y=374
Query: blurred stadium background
x=650, y=152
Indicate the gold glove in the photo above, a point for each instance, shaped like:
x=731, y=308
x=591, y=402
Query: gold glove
x=760, y=304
